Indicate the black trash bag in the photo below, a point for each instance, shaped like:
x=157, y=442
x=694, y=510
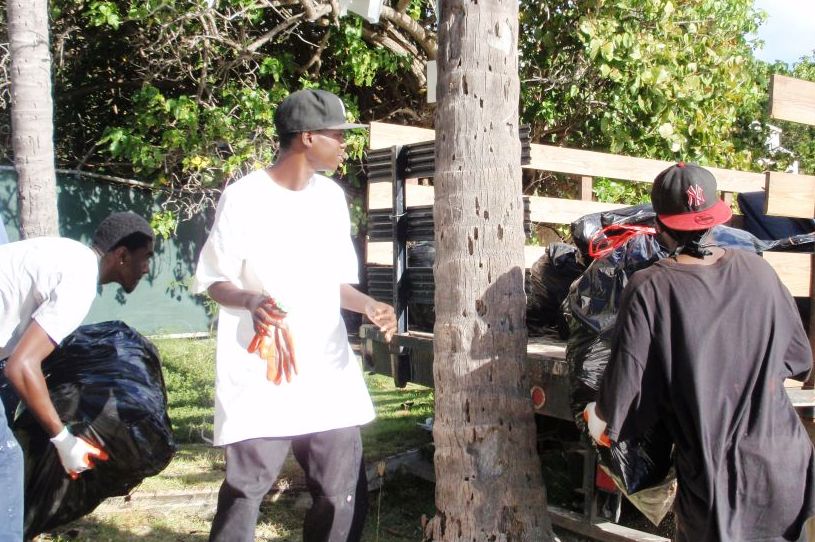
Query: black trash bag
x=642, y=462
x=769, y=228
x=587, y=227
x=549, y=280
x=594, y=297
x=106, y=383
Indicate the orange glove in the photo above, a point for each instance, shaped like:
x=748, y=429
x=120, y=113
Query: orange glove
x=275, y=346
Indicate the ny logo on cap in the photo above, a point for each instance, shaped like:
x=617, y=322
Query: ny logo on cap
x=696, y=196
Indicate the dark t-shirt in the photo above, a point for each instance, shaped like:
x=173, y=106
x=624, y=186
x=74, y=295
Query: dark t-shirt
x=707, y=349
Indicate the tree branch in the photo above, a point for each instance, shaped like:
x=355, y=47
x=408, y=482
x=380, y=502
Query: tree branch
x=313, y=10
x=317, y=56
x=265, y=38
x=426, y=39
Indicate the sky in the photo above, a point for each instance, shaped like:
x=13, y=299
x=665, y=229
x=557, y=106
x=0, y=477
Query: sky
x=789, y=31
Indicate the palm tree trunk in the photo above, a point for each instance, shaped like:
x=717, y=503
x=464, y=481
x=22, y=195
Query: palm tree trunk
x=32, y=126
x=488, y=474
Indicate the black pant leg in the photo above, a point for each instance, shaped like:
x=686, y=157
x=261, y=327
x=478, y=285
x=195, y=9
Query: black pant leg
x=332, y=461
x=252, y=466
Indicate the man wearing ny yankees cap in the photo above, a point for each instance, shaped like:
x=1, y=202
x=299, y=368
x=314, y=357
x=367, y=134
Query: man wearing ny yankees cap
x=280, y=258
x=704, y=340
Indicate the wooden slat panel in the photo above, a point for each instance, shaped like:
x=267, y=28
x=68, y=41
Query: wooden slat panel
x=793, y=269
x=790, y=195
x=380, y=195
x=381, y=253
x=578, y=162
x=542, y=209
x=627, y=168
x=792, y=99
x=384, y=135
x=565, y=211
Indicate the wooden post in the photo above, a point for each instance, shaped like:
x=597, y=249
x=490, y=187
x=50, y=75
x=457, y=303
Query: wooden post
x=794, y=100
x=586, y=188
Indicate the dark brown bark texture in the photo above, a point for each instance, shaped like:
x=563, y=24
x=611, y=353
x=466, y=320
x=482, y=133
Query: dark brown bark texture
x=489, y=484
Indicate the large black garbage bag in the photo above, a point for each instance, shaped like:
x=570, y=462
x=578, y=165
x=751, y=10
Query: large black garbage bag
x=638, y=467
x=642, y=462
x=769, y=228
x=549, y=280
x=106, y=383
x=590, y=227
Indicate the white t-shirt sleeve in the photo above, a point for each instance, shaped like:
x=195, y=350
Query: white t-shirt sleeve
x=68, y=301
x=222, y=257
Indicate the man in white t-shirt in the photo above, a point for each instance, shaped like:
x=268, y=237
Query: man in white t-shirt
x=47, y=285
x=284, y=233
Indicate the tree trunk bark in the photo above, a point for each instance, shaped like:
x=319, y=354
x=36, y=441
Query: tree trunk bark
x=488, y=473
x=32, y=125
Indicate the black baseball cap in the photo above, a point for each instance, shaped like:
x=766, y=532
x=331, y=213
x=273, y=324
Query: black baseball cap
x=684, y=198
x=311, y=109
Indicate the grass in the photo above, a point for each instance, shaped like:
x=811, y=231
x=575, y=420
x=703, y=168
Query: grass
x=189, y=372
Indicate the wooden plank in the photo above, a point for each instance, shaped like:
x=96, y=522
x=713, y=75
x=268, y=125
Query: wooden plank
x=627, y=168
x=792, y=99
x=381, y=253
x=604, y=532
x=790, y=195
x=380, y=195
x=793, y=269
x=565, y=211
x=384, y=135
x=578, y=162
x=542, y=209
x=801, y=398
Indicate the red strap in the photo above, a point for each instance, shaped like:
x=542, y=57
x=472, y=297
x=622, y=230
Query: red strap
x=615, y=235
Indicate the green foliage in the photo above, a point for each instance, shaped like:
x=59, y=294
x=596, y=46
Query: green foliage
x=652, y=78
x=164, y=223
x=358, y=62
x=616, y=191
x=102, y=13
x=183, y=94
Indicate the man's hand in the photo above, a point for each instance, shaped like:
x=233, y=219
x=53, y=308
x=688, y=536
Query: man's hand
x=265, y=313
x=75, y=454
x=382, y=315
x=597, y=427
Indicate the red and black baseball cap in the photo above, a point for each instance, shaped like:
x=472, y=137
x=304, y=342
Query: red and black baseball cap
x=309, y=110
x=684, y=198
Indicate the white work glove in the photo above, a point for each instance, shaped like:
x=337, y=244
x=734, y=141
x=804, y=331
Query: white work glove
x=75, y=453
x=597, y=427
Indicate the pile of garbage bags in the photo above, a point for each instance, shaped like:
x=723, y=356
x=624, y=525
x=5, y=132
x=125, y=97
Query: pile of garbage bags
x=616, y=244
x=106, y=383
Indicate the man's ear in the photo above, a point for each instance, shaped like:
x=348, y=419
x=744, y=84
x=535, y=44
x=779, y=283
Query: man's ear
x=307, y=139
x=121, y=255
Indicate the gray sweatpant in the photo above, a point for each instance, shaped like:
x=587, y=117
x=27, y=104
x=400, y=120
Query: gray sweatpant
x=335, y=475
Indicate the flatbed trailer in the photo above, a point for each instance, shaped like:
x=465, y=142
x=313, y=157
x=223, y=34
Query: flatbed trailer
x=400, y=212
